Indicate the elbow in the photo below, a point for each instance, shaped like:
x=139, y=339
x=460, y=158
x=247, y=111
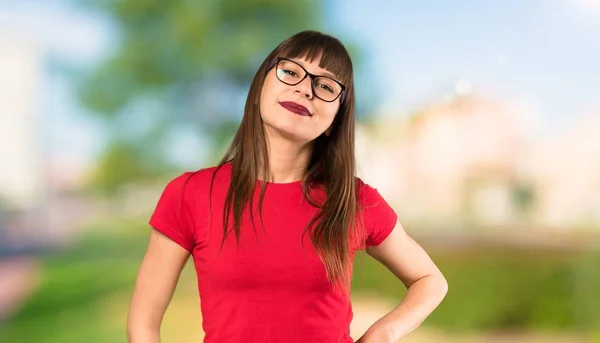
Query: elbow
x=139, y=334
x=131, y=336
x=435, y=285
x=139, y=330
x=441, y=285
x=134, y=332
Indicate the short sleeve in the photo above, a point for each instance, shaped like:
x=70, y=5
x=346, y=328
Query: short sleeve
x=378, y=216
x=173, y=215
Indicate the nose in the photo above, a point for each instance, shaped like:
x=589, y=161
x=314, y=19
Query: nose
x=304, y=88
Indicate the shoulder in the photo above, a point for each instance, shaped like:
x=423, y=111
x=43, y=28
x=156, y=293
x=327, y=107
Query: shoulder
x=203, y=176
x=199, y=180
x=365, y=193
x=360, y=183
x=379, y=218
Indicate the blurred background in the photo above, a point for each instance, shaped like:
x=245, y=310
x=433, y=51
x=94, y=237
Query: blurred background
x=479, y=121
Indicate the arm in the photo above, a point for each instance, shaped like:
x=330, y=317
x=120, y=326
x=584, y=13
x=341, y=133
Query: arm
x=426, y=286
x=154, y=287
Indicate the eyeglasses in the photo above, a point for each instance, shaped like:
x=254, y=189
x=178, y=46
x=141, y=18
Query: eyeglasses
x=323, y=87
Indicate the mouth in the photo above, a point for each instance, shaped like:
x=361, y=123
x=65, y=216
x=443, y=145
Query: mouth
x=296, y=108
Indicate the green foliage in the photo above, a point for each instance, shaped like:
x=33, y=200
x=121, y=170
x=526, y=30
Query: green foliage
x=179, y=43
x=119, y=163
x=504, y=289
x=124, y=162
x=75, y=284
x=491, y=289
x=171, y=58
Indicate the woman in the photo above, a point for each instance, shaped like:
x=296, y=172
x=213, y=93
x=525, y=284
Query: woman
x=281, y=271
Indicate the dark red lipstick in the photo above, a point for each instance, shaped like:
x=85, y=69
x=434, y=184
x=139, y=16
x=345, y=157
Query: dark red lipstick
x=296, y=108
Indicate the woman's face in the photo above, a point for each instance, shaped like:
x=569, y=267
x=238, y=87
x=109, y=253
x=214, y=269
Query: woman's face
x=294, y=112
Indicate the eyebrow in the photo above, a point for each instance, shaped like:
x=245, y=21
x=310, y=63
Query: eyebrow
x=325, y=71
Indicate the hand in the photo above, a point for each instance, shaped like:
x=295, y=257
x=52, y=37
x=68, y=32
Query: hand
x=376, y=334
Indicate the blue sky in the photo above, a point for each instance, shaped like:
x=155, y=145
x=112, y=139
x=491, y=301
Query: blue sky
x=538, y=53
x=543, y=53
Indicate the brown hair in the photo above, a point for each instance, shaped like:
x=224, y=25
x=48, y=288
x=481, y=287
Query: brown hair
x=331, y=164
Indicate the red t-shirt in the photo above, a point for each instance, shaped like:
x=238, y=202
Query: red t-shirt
x=273, y=289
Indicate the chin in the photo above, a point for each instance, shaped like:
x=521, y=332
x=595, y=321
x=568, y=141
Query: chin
x=293, y=134
x=292, y=127
x=291, y=131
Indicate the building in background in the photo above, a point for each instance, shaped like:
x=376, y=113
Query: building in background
x=454, y=163
x=470, y=161
x=21, y=170
x=565, y=171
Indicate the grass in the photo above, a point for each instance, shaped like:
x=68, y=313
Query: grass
x=84, y=292
x=66, y=306
x=504, y=289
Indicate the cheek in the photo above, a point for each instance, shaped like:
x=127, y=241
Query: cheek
x=328, y=112
x=265, y=106
x=268, y=95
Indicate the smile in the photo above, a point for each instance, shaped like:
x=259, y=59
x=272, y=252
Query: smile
x=295, y=108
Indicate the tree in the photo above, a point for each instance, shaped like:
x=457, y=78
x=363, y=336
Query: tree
x=182, y=63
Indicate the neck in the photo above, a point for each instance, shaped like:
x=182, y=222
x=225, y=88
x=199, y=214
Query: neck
x=287, y=159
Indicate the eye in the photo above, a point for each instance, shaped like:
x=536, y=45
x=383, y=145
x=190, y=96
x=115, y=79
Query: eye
x=326, y=87
x=289, y=72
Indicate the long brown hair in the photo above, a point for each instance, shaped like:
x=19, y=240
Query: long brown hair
x=331, y=165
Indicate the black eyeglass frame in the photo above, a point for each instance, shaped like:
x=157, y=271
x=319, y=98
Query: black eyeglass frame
x=275, y=63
